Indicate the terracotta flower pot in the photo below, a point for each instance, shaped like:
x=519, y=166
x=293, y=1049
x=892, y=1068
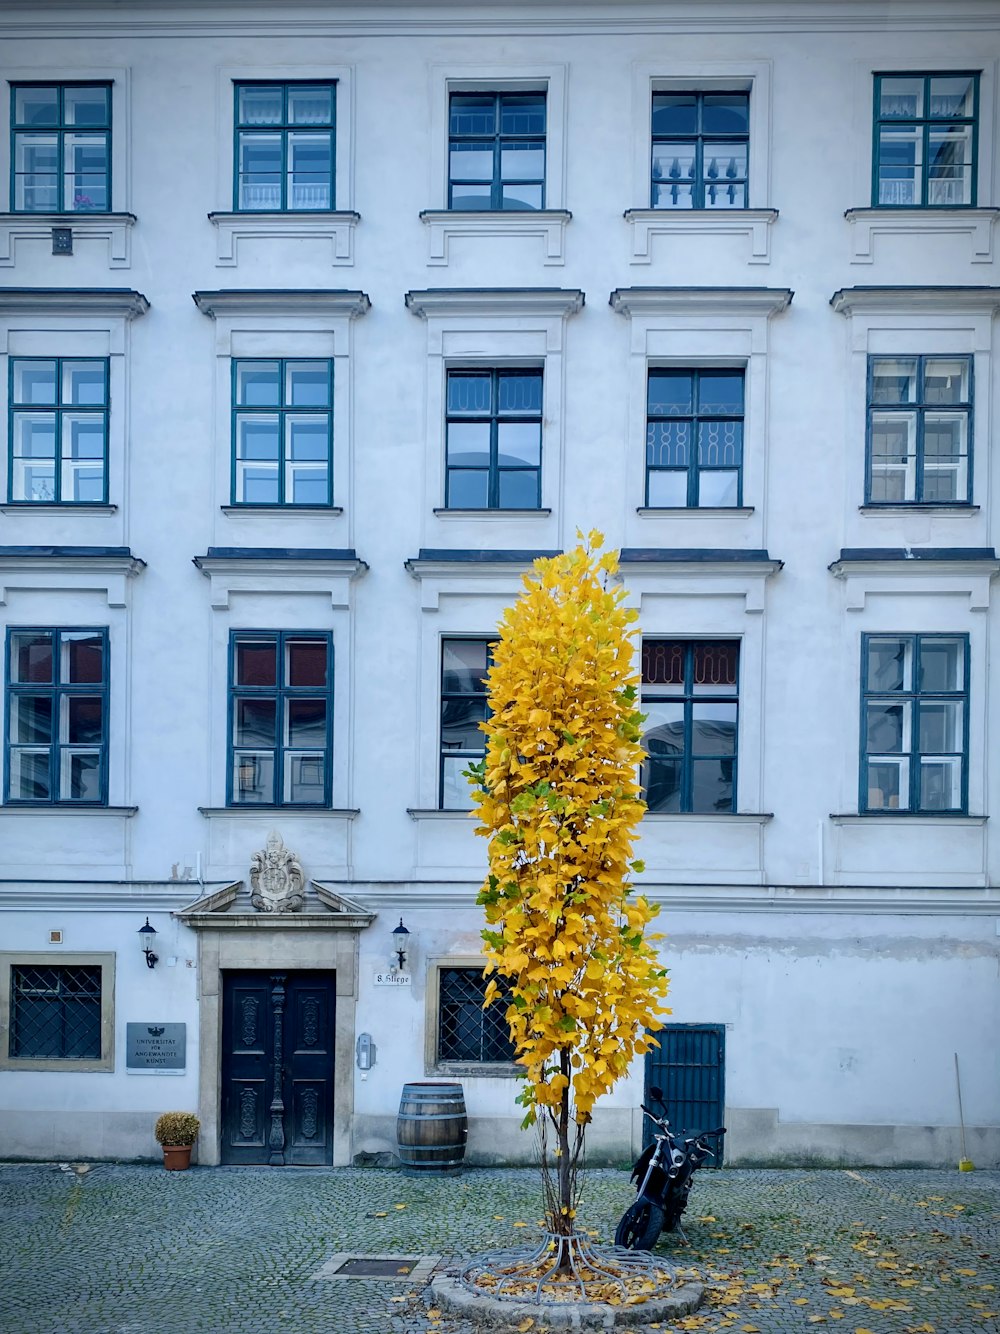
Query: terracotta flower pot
x=177, y=1157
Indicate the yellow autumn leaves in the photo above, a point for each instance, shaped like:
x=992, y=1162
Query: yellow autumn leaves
x=558, y=798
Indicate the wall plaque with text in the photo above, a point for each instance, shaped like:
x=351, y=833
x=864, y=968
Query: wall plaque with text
x=155, y=1049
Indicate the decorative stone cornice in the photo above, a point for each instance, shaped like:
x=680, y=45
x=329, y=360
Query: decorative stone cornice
x=214, y=912
x=280, y=570
x=697, y=560
x=105, y=569
x=282, y=301
x=471, y=563
x=123, y=302
x=891, y=300
x=753, y=301
x=540, y=301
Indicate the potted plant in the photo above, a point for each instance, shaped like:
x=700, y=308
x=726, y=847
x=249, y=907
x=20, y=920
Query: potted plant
x=176, y=1132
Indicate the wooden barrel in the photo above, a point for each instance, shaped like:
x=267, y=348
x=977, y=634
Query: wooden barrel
x=432, y=1128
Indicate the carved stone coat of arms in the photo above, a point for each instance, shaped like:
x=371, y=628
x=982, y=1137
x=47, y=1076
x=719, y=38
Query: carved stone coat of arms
x=276, y=879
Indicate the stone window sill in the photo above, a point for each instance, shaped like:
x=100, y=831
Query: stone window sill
x=335, y=226
x=312, y=812
x=30, y=507
x=913, y=817
x=437, y=813
x=709, y=817
x=694, y=511
x=67, y=808
x=281, y=511
x=443, y=225
x=442, y=513
x=112, y=228
x=753, y=223
x=952, y=511
x=869, y=223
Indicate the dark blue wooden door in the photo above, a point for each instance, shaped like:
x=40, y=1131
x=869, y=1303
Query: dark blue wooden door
x=689, y=1066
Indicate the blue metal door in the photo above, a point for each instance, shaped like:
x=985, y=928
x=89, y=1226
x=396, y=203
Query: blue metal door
x=689, y=1067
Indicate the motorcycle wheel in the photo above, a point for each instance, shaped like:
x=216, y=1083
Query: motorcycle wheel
x=640, y=1227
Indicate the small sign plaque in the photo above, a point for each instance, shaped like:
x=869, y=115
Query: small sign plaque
x=155, y=1049
x=392, y=979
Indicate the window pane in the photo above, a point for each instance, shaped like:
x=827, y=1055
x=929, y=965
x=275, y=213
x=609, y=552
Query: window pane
x=84, y=720
x=256, y=722
x=663, y=737
x=666, y=490
x=522, y=115
x=944, y=434
x=86, y=106
x=31, y=719
x=673, y=195
x=471, y=197
x=460, y=719
x=663, y=662
x=668, y=444
x=890, y=665
x=259, y=157
x=472, y=113
x=257, y=437
x=310, y=167
x=720, y=393
x=30, y=776
x=85, y=160
x=310, y=104
x=894, y=380
x=258, y=384
x=673, y=164
x=456, y=794
x=34, y=382
x=307, y=384
x=889, y=784
x=253, y=777
x=307, y=663
x=516, y=197
x=522, y=162
x=519, y=393
x=257, y=484
x=471, y=162
x=307, y=437
x=952, y=96
x=712, y=785
x=259, y=105
x=949, y=151
x=713, y=729
x=715, y=663
x=305, y=722
x=256, y=663
x=941, y=726
x=519, y=443
x=900, y=162
x=518, y=490
x=901, y=98
x=726, y=113
x=720, y=444
x=670, y=393
x=888, y=727
x=468, y=442
x=718, y=488
x=79, y=776
x=942, y=664
x=464, y=663
x=82, y=659
x=946, y=380
x=675, y=113
x=305, y=779
x=31, y=657
x=307, y=484
x=470, y=393
x=36, y=106
x=83, y=383
x=468, y=490
x=661, y=780
x=941, y=784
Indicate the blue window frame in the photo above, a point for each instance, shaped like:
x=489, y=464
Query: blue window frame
x=914, y=723
x=690, y=696
x=280, y=718
x=56, y=719
x=282, y=432
x=60, y=148
x=919, y=431
x=694, y=438
x=496, y=151
x=285, y=147
x=58, y=431
x=464, y=667
x=701, y=150
x=494, y=440
x=926, y=132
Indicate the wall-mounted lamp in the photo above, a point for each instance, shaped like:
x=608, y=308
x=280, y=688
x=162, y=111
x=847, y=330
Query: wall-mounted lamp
x=147, y=938
x=400, y=937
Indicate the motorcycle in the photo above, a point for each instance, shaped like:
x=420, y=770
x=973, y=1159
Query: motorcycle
x=665, y=1173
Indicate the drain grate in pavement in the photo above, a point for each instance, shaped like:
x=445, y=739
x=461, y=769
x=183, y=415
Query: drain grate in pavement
x=395, y=1268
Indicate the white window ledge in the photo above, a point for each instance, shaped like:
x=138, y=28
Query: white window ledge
x=939, y=820
x=70, y=808
x=438, y=813
x=753, y=223
x=710, y=818
x=63, y=511
x=337, y=227
x=695, y=511
x=114, y=229
x=951, y=511
x=480, y=515
x=282, y=512
x=248, y=812
x=869, y=223
x=549, y=225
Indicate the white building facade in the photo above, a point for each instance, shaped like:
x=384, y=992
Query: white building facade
x=319, y=323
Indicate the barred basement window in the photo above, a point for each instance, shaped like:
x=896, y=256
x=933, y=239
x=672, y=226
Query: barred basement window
x=55, y=1012
x=467, y=1032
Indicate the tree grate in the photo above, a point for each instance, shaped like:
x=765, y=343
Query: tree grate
x=390, y=1268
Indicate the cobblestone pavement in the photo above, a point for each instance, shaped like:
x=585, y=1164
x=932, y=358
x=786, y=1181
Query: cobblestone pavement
x=136, y=1250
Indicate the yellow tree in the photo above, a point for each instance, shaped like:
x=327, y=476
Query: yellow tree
x=558, y=798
